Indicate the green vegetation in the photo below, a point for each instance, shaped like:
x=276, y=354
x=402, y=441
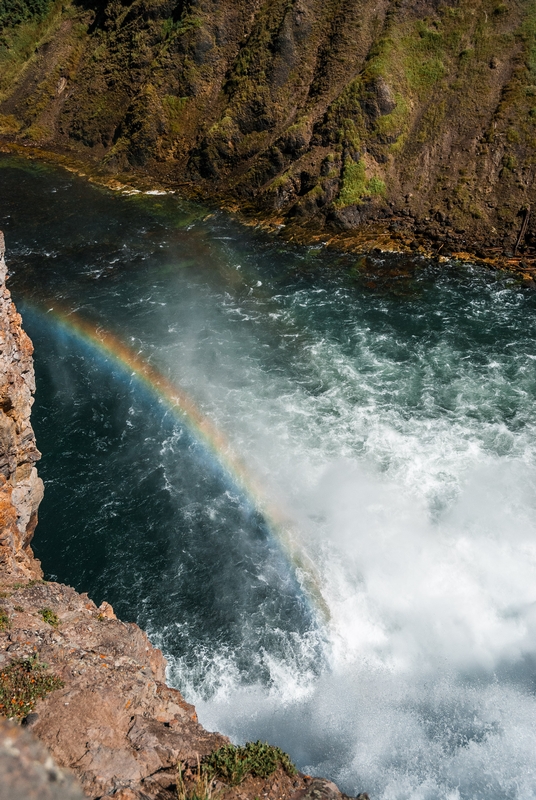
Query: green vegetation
x=14, y=12
x=22, y=683
x=33, y=582
x=424, y=56
x=49, y=616
x=174, y=109
x=23, y=26
x=355, y=185
x=4, y=620
x=232, y=764
x=199, y=791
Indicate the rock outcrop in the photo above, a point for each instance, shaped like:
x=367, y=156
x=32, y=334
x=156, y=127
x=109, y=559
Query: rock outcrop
x=115, y=722
x=109, y=715
x=21, y=490
x=416, y=115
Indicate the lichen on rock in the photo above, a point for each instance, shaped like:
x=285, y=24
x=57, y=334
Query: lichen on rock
x=21, y=490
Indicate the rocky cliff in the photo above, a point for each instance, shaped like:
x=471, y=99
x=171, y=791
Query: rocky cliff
x=417, y=117
x=91, y=688
x=21, y=490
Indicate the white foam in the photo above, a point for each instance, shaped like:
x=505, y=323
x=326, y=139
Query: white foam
x=411, y=475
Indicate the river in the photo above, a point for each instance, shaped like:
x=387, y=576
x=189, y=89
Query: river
x=311, y=477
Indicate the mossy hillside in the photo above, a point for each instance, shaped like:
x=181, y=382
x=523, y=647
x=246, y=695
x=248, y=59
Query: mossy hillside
x=24, y=26
x=229, y=96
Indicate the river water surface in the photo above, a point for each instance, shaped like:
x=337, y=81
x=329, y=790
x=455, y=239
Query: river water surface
x=355, y=583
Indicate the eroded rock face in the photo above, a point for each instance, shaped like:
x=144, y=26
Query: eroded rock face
x=21, y=490
x=115, y=722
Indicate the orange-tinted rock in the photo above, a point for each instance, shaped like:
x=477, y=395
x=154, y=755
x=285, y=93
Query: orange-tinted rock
x=21, y=490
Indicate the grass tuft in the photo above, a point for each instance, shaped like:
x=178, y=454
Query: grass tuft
x=4, y=620
x=22, y=683
x=49, y=616
x=201, y=789
x=232, y=764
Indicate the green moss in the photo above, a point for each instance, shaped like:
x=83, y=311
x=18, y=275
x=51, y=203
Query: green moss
x=512, y=135
x=15, y=12
x=376, y=187
x=355, y=185
x=393, y=124
x=281, y=181
x=22, y=683
x=232, y=764
x=432, y=121
x=9, y=124
x=18, y=42
x=36, y=133
x=423, y=57
x=187, y=23
x=174, y=109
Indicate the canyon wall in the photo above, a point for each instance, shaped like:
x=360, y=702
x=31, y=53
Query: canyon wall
x=21, y=490
x=324, y=116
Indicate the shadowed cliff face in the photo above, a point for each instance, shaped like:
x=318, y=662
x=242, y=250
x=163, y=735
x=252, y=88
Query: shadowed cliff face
x=321, y=113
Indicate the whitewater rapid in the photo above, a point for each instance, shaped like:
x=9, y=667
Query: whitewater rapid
x=393, y=426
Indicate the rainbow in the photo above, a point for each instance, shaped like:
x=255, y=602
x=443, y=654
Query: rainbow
x=182, y=405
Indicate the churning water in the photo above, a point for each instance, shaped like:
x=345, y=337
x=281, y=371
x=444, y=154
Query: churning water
x=389, y=418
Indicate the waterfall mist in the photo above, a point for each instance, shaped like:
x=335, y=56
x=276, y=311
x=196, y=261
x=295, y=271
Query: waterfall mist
x=393, y=427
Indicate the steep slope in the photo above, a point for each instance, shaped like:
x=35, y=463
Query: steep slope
x=323, y=114
x=21, y=490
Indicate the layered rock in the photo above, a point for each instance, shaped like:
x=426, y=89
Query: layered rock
x=21, y=490
x=114, y=722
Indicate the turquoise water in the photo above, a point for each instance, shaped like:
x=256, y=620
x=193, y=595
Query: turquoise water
x=387, y=412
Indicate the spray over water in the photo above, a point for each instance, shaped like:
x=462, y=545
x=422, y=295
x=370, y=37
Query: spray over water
x=395, y=429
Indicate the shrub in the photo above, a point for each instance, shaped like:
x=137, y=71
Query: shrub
x=49, y=616
x=233, y=764
x=22, y=683
x=13, y=12
x=4, y=620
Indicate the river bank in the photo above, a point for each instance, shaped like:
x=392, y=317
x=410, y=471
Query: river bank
x=391, y=125
x=395, y=234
